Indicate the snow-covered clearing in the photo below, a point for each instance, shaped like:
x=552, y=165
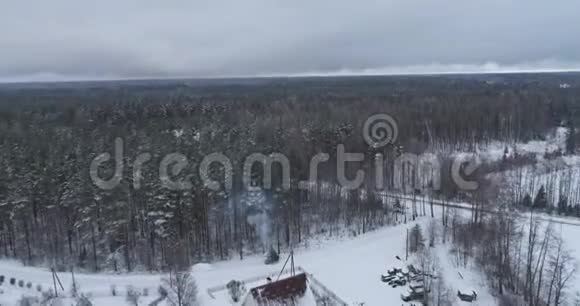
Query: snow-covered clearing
x=568, y=228
x=555, y=140
x=350, y=267
x=97, y=286
x=461, y=278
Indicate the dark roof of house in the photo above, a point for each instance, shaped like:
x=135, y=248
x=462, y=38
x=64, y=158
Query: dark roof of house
x=284, y=289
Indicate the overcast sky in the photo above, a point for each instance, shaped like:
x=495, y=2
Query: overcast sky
x=60, y=40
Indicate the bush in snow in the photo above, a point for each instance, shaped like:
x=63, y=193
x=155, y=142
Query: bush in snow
x=416, y=240
x=324, y=300
x=74, y=289
x=1, y=278
x=509, y=300
x=113, y=290
x=162, y=291
x=28, y=301
x=83, y=300
x=60, y=267
x=12, y=281
x=115, y=260
x=577, y=299
x=29, y=285
x=133, y=296
x=21, y=283
x=272, y=257
x=50, y=299
x=181, y=289
x=236, y=290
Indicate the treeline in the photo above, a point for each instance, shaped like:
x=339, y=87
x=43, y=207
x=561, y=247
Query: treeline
x=525, y=260
x=549, y=187
x=540, y=202
x=52, y=213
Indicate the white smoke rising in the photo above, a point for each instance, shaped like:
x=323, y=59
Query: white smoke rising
x=257, y=210
x=261, y=221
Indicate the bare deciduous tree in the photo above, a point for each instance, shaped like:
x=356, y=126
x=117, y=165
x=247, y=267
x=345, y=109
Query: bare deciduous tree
x=181, y=289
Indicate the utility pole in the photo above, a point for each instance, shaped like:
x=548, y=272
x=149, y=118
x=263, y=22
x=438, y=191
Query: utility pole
x=407, y=247
x=75, y=293
x=55, y=279
x=54, y=282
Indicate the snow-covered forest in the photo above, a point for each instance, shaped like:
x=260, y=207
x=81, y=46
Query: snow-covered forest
x=509, y=238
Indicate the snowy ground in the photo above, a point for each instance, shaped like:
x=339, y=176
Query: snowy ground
x=350, y=267
x=555, y=140
x=571, y=236
x=97, y=286
x=461, y=278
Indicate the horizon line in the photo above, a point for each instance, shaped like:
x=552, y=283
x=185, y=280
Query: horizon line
x=289, y=76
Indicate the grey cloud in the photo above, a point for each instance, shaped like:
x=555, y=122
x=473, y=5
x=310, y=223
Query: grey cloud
x=65, y=39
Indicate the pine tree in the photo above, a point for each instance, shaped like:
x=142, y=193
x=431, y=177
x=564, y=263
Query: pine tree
x=571, y=138
x=527, y=201
x=563, y=205
x=505, y=154
x=272, y=257
x=236, y=290
x=541, y=201
x=416, y=240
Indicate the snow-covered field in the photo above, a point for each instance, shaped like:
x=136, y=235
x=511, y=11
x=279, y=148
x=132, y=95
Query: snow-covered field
x=555, y=140
x=97, y=286
x=350, y=267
